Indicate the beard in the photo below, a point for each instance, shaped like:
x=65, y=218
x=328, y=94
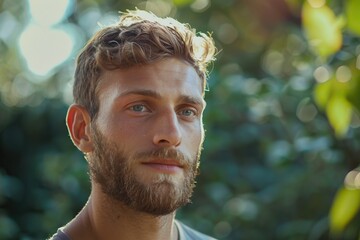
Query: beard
x=111, y=168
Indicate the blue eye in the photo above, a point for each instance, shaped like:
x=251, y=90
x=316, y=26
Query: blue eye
x=188, y=112
x=138, y=108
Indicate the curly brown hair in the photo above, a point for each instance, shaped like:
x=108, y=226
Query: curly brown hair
x=138, y=38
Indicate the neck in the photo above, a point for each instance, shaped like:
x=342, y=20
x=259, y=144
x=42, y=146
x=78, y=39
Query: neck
x=106, y=218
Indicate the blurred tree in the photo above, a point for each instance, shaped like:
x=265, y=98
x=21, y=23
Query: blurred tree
x=282, y=119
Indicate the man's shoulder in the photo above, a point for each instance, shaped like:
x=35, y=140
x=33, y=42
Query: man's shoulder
x=59, y=235
x=187, y=233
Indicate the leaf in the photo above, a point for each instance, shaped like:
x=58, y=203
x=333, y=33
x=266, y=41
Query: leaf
x=339, y=111
x=322, y=29
x=180, y=3
x=354, y=89
x=345, y=206
x=322, y=93
x=352, y=13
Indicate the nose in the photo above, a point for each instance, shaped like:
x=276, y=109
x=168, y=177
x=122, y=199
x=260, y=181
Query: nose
x=167, y=131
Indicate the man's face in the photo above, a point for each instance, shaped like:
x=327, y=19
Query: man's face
x=148, y=135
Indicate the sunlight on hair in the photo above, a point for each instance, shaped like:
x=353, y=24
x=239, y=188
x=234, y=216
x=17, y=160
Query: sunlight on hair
x=42, y=45
x=151, y=17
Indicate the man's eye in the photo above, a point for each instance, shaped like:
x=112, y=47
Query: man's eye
x=138, y=108
x=188, y=112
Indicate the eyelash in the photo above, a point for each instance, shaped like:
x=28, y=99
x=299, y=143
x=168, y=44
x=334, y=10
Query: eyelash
x=138, y=105
x=193, y=111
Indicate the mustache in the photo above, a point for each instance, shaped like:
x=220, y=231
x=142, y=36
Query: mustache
x=164, y=153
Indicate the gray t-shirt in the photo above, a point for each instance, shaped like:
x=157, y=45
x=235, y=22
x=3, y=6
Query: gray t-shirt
x=185, y=233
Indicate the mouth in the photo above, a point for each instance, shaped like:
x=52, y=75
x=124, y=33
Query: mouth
x=168, y=166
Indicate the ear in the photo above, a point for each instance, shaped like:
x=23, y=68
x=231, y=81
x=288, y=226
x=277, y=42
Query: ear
x=78, y=124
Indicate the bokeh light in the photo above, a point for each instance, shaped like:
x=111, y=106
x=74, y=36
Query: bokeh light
x=352, y=179
x=306, y=110
x=343, y=74
x=49, y=12
x=200, y=5
x=317, y=3
x=45, y=48
x=321, y=74
x=44, y=42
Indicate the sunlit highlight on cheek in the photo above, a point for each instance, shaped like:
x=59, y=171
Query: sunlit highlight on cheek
x=197, y=136
x=202, y=133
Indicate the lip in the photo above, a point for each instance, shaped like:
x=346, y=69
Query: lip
x=164, y=165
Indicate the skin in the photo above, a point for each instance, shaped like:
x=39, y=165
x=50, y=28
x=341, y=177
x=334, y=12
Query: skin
x=142, y=108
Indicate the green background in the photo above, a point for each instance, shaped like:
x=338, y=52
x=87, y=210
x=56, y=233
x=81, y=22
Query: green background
x=282, y=121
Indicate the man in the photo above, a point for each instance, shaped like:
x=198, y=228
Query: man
x=137, y=117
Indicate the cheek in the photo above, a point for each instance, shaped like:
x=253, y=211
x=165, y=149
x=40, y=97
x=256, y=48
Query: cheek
x=130, y=137
x=195, y=135
x=202, y=134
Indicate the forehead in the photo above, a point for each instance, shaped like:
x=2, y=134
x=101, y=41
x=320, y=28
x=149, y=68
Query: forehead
x=167, y=76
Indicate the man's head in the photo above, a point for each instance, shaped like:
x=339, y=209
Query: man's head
x=139, y=38
x=138, y=91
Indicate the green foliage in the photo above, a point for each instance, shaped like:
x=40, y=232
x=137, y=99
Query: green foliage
x=336, y=93
x=346, y=205
x=353, y=18
x=322, y=29
x=282, y=122
x=332, y=97
x=325, y=34
x=182, y=2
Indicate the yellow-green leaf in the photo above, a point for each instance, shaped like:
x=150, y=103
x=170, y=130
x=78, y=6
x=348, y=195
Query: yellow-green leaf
x=352, y=15
x=182, y=2
x=322, y=29
x=322, y=93
x=345, y=206
x=339, y=111
x=354, y=88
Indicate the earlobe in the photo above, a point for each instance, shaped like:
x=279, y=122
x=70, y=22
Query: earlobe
x=78, y=124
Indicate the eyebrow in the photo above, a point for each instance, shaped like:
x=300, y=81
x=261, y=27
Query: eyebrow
x=193, y=100
x=156, y=95
x=143, y=92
